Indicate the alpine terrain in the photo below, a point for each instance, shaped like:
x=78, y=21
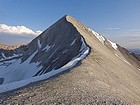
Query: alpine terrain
x=97, y=71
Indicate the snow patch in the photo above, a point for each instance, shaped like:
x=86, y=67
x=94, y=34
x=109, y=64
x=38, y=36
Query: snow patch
x=10, y=57
x=80, y=56
x=117, y=55
x=127, y=62
x=31, y=69
x=99, y=37
x=39, y=43
x=46, y=48
x=55, y=59
x=54, y=51
x=65, y=51
x=123, y=59
x=3, y=56
x=7, y=63
x=12, y=73
x=73, y=42
x=114, y=45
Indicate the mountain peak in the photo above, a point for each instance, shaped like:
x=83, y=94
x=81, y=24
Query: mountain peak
x=98, y=64
x=58, y=48
x=68, y=18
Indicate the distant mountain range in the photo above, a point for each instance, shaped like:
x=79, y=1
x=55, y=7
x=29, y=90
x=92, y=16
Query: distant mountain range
x=136, y=51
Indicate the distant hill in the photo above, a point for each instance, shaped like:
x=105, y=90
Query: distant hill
x=7, y=47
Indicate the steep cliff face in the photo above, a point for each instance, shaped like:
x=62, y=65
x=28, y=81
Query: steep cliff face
x=106, y=70
x=56, y=46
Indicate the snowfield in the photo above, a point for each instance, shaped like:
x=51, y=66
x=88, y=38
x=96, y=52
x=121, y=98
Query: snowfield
x=10, y=57
x=102, y=39
x=114, y=45
x=98, y=36
x=20, y=74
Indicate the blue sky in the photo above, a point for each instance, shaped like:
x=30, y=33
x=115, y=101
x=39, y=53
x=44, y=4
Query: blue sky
x=118, y=20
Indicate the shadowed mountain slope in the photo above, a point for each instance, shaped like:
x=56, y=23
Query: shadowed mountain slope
x=57, y=49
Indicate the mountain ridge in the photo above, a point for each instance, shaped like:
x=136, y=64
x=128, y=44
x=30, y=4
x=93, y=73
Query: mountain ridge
x=106, y=71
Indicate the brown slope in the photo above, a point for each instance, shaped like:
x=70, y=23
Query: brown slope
x=113, y=71
x=104, y=77
x=6, y=47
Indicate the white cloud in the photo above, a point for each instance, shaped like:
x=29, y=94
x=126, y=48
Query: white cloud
x=113, y=28
x=19, y=35
x=20, y=30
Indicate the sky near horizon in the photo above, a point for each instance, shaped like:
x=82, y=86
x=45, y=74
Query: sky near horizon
x=117, y=20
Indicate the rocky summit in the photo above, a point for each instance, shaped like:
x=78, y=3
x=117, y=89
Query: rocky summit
x=84, y=66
